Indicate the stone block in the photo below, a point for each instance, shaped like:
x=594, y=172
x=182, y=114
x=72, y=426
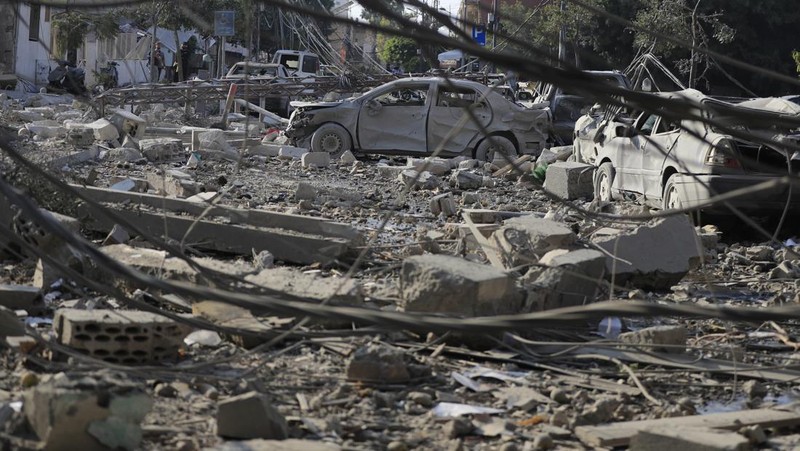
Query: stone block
x=103, y=130
x=21, y=297
x=670, y=336
x=80, y=136
x=129, y=124
x=525, y=239
x=665, y=438
x=316, y=160
x=572, y=279
x=467, y=164
x=390, y=172
x=417, y=180
x=168, y=184
x=570, y=180
x=347, y=158
x=465, y=180
x=117, y=336
x=46, y=129
x=378, y=363
x=159, y=149
x=291, y=153
x=443, y=204
x=248, y=416
x=655, y=255
x=123, y=155
x=87, y=411
x=436, y=166
x=264, y=150
x=452, y=285
x=305, y=191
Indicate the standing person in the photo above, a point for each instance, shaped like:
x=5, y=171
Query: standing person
x=184, y=62
x=158, y=61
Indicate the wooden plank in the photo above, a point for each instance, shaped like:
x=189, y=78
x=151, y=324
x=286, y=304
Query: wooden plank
x=288, y=246
x=486, y=245
x=507, y=168
x=620, y=434
x=255, y=218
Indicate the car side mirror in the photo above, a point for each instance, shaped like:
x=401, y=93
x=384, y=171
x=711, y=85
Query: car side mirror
x=625, y=132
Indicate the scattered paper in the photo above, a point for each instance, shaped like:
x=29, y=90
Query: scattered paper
x=451, y=409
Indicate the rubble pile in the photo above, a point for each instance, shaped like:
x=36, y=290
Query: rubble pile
x=190, y=288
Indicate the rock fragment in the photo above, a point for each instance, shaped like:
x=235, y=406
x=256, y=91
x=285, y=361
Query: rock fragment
x=378, y=363
x=570, y=180
x=250, y=415
x=523, y=240
x=672, y=338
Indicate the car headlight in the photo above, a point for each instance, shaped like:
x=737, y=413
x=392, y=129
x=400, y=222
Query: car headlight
x=723, y=153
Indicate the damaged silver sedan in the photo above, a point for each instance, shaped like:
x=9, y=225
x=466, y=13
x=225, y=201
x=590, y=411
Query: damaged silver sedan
x=418, y=115
x=685, y=164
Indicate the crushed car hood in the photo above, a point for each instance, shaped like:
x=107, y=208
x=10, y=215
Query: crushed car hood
x=302, y=104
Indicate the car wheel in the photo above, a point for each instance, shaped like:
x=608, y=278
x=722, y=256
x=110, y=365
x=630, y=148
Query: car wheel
x=603, y=181
x=331, y=138
x=493, y=145
x=671, y=199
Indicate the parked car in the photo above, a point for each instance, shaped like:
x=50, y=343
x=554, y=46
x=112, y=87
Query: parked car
x=567, y=106
x=254, y=71
x=683, y=164
x=415, y=116
x=299, y=64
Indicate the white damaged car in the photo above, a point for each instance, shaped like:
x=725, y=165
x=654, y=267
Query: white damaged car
x=416, y=116
x=686, y=163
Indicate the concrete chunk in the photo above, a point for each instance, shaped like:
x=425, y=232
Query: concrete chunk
x=443, y=204
x=129, y=124
x=103, y=130
x=572, y=279
x=523, y=240
x=464, y=180
x=570, y=180
x=20, y=297
x=422, y=181
x=159, y=149
x=316, y=160
x=347, y=158
x=655, y=255
x=248, y=416
x=444, y=284
x=97, y=411
x=436, y=166
x=658, y=335
x=688, y=439
x=168, y=184
x=378, y=363
x=291, y=153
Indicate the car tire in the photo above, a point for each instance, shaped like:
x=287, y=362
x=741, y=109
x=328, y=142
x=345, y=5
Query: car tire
x=671, y=199
x=603, y=181
x=492, y=144
x=331, y=138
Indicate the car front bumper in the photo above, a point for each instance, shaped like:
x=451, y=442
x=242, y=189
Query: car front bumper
x=701, y=190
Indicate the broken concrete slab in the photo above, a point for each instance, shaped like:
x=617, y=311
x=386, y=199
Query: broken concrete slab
x=46, y=129
x=259, y=329
x=316, y=160
x=689, y=438
x=310, y=287
x=572, y=279
x=305, y=191
x=452, y=285
x=523, y=240
x=170, y=185
x=347, y=158
x=116, y=336
x=436, y=166
x=378, y=363
x=264, y=150
x=465, y=180
x=672, y=245
x=250, y=415
x=255, y=218
x=103, y=129
x=10, y=324
x=160, y=149
x=570, y=180
x=129, y=124
x=276, y=445
x=670, y=339
x=291, y=153
x=417, y=180
x=123, y=155
x=95, y=411
x=21, y=297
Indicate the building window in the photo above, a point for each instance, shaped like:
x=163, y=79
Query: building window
x=33, y=22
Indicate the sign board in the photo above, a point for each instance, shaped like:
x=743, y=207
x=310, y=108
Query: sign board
x=479, y=35
x=223, y=23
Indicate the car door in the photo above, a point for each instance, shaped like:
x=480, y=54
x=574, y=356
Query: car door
x=448, y=110
x=629, y=155
x=395, y=118
x=654, y=153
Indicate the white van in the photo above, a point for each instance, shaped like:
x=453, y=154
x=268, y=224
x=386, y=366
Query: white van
x=298, y=63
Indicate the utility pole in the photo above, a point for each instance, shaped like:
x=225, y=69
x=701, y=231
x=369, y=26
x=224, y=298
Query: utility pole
x=495, y=24
x=153, y=70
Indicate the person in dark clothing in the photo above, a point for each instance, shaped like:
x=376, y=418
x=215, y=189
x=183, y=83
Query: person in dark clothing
x=158, y=61
x=184, y=62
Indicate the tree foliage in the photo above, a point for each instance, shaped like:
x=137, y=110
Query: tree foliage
x=402, y=51
x=71, y=27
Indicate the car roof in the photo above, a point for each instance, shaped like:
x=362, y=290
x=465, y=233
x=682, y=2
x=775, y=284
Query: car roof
x=454, y=81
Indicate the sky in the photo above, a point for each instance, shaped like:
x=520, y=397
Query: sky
x=449, y=5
